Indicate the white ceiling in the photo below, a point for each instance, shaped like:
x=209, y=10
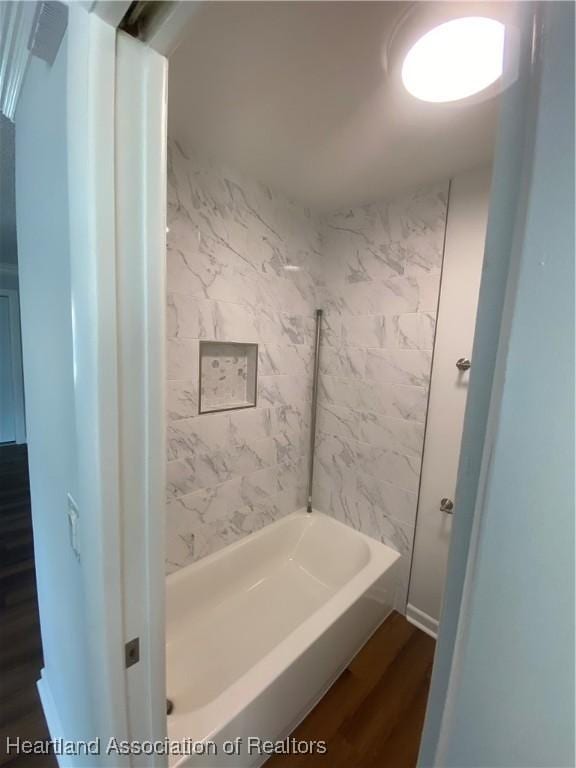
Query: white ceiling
x=295, y=93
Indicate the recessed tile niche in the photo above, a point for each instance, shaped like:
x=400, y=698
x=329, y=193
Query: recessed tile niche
x=228, y=372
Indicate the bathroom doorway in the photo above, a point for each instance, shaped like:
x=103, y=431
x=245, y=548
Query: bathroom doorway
x=254, y=247
x=291, y=189
x=196, y=364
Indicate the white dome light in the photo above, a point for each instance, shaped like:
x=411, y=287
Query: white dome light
x=455, y=60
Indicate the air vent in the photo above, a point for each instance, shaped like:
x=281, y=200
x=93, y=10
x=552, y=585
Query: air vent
x=50, y=23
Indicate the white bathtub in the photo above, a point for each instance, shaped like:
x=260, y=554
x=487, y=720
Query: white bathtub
x=257, y=632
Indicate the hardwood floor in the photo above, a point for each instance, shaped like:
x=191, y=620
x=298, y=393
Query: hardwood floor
x=20, y=642
x=372, y=717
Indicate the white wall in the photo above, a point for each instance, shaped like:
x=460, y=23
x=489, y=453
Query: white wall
x=43, y=242
x=511, y=695
x=461, y=272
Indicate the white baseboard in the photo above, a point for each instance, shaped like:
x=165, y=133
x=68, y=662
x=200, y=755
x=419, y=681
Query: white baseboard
x=52, y=717
x=422, y=621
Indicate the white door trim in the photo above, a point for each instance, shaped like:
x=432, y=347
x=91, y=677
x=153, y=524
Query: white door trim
x=110, y=11
x=91, y=157
x=141, y=200
x=16, y=353
x=167, y=35
x=117, y=117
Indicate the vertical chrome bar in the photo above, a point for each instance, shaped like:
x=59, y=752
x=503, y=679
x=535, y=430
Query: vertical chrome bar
x=314, y=407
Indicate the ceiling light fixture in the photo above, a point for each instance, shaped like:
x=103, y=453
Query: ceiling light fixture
x=455, y=60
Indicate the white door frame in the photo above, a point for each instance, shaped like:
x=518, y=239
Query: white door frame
x=117, y=266
x=16, y=353
x=141, y=199
x=116, y=130
x=91, y=64
x=511, y=178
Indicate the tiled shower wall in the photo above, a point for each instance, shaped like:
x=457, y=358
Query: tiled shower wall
x=380, y=286
x=229, y=243
x=376, y=272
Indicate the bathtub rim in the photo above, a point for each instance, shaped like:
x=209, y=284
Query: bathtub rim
x=299, y=514
x=209, y=719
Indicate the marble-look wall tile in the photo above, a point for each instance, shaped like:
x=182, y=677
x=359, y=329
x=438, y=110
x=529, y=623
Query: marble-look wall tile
x=182, y=363
x=394, y=401
x=380, y=285
x=190, y=317
x=394, y=435
x=408, y=367
x=277, y=359
x=229, y=242
x=342, y=361
x=413, y=330
x=360, y=514
x=181, y=399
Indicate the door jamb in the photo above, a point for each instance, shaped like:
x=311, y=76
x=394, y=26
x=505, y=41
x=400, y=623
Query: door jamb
x=91, y=65
x=141, y=199
x=510, y=186
x=16, y=353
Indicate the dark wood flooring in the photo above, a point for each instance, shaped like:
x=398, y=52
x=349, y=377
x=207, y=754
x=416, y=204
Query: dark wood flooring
x=20, y=642
x=372, y=717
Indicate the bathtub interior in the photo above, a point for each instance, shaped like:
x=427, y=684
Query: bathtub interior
x=228, y=611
